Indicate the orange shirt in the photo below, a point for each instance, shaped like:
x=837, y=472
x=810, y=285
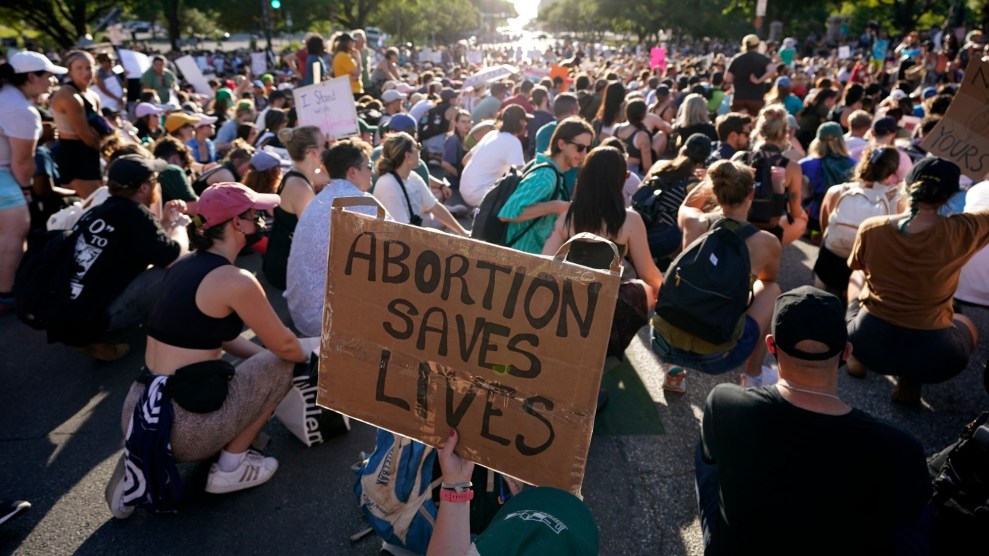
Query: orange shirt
x=910, y=279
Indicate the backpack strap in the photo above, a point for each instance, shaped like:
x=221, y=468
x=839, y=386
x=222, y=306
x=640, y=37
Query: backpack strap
x=408, y=202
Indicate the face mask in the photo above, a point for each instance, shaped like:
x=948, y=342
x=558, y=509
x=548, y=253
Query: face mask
x=260, y=231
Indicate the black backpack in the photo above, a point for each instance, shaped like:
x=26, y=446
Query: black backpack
x=707, y=288
x=487, y=226
x=766, y=204
x=658, y=201
x=960, y=475
x=46, y=264
x=433, y=122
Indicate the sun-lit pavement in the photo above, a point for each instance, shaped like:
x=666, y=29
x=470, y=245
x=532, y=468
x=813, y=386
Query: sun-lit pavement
x=60, y=438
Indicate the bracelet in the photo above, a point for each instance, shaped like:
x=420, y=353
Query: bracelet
x=448, y=495
x=459, y=487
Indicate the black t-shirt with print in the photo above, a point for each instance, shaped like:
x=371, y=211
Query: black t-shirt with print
x=113, y=243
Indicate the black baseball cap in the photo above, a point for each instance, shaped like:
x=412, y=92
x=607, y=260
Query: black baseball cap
x=807, y=313
x=132, y=170
x=938, y=172
x=698, y=147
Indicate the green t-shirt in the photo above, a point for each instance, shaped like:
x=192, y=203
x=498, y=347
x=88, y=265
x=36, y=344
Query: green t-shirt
x=161, y=83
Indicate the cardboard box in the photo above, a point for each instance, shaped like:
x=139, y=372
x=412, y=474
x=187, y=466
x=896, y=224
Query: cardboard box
x=425, y=331
x=962, y=135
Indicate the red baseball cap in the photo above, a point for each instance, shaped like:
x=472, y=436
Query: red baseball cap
x=223, y=201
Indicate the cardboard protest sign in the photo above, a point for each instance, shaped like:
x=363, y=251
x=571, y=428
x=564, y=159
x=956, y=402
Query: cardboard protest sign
x=962, y=135
x=328, y=105
x=534, y=73
x=487, y=75
x=259, y=63
x=136, y=63
x=562, y=73
x=425, y=331
x=191, y=72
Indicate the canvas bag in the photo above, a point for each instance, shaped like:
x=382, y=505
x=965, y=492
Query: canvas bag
x=298, y=410
x=855, y=204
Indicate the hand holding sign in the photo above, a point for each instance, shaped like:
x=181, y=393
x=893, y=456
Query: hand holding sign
x=328, y=105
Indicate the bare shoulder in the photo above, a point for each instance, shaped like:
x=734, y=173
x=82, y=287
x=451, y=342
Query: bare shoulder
x=765, y=242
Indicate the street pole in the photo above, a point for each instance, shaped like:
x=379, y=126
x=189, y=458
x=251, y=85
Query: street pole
x=266, y=23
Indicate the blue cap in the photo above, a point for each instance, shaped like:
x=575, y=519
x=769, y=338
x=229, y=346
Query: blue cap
x=402, y=122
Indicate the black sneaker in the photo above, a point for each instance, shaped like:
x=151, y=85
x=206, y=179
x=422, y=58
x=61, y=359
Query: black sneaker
x=11, y=509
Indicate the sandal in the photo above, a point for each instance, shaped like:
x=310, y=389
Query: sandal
x=675, y=380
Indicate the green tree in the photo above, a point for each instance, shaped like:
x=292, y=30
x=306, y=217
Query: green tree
x=61, y=21
x=427, y=20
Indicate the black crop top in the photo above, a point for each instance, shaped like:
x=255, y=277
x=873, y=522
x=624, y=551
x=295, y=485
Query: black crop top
x=176, y=320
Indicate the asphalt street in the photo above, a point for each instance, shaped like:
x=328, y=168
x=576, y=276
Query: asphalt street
x=60, y=438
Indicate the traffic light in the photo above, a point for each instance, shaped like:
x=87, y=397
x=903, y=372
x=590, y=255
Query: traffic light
x=275, y=4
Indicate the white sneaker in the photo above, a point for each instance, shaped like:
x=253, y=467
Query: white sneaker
x=768, y=377
x=254, y=470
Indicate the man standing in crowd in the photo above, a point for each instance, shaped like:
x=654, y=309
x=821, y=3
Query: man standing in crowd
x=493, y=155
x=541, y=196
x=488, y=107
x=110, y=287
x=362, y=54
x=348, y=163
x=160, y=79
x=747, y=74
x=831, y=465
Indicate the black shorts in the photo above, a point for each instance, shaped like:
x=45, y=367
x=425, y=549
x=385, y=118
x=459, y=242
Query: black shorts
x=832, y=270
x=76, y=161
x=926, y=356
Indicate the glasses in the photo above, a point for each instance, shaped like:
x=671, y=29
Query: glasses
x=579, y=146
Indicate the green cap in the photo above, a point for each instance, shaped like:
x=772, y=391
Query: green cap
x=541, y=521
x=224, y=93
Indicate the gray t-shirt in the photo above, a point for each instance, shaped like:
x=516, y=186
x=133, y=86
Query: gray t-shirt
x=18, y=119
x=306, y=271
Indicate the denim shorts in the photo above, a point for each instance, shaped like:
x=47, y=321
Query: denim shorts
x=10, y=191
x=713, y=363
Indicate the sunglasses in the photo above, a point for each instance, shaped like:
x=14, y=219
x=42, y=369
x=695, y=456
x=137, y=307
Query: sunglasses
x=579, y=146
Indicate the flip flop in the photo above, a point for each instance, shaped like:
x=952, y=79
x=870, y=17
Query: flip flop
x=675, y=380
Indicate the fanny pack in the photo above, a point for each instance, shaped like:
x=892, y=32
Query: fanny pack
x=199, y=388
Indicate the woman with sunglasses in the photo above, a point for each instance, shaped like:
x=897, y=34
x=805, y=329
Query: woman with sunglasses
x=216, y=410
x=298, y=188
x=402, y=192
x=26, y=76
x=873, y=192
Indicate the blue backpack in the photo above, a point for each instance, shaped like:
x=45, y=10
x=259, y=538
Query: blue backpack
x=394, y=488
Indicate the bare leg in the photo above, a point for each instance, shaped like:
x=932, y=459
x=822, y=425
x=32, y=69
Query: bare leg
x=761, y=311
x=14, y=225
x=792, y=232
x=971, y=328
x=84, y=188
x=243, y=440
x=855, y=284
